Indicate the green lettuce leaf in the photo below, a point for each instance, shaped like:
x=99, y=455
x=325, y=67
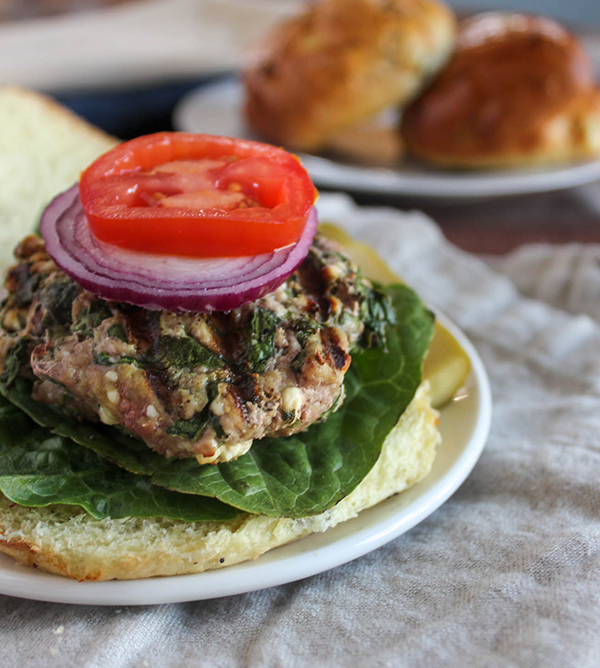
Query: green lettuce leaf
x=39, y=468
x=296, y=476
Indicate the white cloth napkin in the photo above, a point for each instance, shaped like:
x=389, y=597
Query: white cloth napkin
x=506, y=573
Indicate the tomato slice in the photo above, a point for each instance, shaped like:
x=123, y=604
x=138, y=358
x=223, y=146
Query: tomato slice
x=198, y=196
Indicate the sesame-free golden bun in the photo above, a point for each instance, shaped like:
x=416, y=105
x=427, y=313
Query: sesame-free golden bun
x=340, y=63
x=519, y=90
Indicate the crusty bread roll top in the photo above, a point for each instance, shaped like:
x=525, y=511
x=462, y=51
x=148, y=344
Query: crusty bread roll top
x=518, y=89
x=341, y=62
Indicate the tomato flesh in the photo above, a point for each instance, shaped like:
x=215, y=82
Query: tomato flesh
x=196, y=196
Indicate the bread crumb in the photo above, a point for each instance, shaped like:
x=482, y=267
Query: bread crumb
x=59, y=631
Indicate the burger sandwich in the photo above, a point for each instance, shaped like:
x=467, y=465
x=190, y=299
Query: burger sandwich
x=191, y=373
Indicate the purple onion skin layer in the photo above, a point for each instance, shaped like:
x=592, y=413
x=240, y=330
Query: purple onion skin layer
x=155, y=282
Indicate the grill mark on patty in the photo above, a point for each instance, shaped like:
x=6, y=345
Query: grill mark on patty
x=247, y=387
x=244, y=390
x=142, y=326
x=228, y=329
x=336, y=356
x=143, y=331
x=159, y=381
x=324, y=307
x=311, y=277
x=21, y=283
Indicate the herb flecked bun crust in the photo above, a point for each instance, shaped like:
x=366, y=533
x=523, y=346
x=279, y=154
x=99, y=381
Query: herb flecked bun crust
x=67, y=540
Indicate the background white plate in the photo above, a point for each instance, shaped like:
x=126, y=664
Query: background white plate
x=217, y=109
x=464, y=426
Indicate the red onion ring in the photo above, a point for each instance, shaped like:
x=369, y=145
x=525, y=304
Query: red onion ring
x=162, y=282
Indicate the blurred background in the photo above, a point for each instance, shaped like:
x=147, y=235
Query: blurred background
x=124, y=65
x=577, y=12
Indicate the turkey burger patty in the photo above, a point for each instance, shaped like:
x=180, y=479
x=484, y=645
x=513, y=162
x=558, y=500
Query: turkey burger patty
x=191, y=384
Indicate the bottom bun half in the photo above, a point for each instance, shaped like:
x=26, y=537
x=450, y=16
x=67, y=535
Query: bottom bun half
x=59, y=539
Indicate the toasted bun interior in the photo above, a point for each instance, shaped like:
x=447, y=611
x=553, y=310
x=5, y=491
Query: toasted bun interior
x=43, y=148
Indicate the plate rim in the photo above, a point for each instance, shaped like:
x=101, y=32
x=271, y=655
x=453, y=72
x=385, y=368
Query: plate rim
x=254, y=575
x=433, y=183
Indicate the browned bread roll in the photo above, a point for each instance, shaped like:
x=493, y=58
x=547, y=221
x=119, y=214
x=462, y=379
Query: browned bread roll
x=518, y=90
x=341, y=62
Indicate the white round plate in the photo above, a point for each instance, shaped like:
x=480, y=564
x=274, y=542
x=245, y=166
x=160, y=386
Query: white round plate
x=216, y=109
x=464, y=425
